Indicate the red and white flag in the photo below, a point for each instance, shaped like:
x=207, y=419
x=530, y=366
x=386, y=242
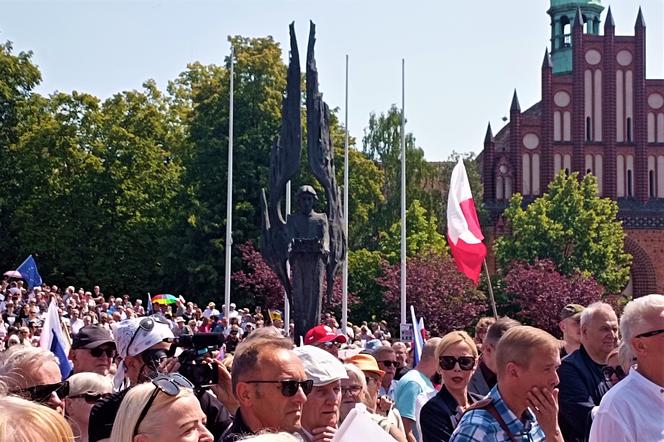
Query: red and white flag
x=463, y=228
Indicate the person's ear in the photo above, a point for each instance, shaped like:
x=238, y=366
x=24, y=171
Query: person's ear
x=512, y=370
x=639, y=347
x=244, y=393
x=72, y=355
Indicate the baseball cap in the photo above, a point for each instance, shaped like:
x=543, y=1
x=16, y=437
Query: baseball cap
x=365, y=362
x=92, y=336
x=570, y=310
x=321, y=334
x=320, y=366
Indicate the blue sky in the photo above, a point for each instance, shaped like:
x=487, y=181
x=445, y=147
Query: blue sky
x=463, y=58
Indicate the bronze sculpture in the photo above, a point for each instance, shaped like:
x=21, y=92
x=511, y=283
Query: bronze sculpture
x=313, y=243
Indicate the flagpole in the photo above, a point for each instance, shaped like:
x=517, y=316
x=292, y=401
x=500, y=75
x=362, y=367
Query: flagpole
x=229, y=200
x=286, y=316
x=344, y=298
x=493, y=300
x=403, y=192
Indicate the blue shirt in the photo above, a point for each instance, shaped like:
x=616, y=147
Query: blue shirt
x=480, y=426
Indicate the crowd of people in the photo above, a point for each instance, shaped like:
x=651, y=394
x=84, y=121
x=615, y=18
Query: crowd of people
x=183, y=373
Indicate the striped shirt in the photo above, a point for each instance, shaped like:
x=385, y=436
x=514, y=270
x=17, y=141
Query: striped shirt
x=479, y=425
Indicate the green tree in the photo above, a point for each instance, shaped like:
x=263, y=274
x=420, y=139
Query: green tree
x=18, y=77
x=202, y=97
x=364, y=269
x=571, y=226
x=382, y=143
x=100, y=189
x=422, y=237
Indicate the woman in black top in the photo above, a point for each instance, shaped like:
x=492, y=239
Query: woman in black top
x=457, y=360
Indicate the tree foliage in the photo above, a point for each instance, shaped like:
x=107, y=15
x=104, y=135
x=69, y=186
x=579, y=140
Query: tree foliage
x=382, y=143
x=438, y=292
x=422, y=237
x=571, y=226
x=540, y=292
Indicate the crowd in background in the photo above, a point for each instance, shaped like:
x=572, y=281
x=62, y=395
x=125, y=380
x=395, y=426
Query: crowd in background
x=123, y=378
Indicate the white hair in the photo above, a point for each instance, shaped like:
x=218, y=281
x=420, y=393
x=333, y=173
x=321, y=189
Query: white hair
x=590, y=311
x=271, y=437
x=18, y=363
x=637, y=314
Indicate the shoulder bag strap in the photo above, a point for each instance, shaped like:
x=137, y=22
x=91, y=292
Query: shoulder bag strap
x=492, y=409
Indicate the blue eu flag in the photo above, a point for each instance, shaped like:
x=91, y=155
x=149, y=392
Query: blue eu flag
x=28, y=271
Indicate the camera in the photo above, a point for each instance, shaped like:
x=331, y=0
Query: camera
x=192, y=359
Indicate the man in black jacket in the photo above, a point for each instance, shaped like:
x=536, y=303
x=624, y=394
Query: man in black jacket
x=582, y=383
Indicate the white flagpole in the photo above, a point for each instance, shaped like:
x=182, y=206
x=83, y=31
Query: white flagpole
x=403, y=191
x=286, y=302
x=344, y=299
x=229, y=200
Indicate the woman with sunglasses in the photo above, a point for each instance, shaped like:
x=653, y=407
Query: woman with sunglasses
x=164, y=410
x=84, y=390
x=457, y=356
x=618, y=363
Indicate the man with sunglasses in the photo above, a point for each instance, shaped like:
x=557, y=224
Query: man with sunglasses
x=324, y=338
x=387, y=362
x=34, y=374
x=634, y=409
x=270, y=385
x=92, y=350
x=142, y=344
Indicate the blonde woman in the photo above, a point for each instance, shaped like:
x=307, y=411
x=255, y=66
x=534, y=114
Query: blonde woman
x=354, y=391
x=25, y=421
x=84, y=390
x=164, y=410
x=457, y=359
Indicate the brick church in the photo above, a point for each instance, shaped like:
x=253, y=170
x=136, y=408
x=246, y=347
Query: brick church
x=598, y=114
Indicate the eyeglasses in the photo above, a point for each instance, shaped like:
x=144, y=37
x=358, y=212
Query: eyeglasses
x=466, y=363
x=609, y=371
x=352, y=390
x=97, y=352
x=328, y=345
x=43, y=393
x=369, y=379
x=90, y=398
x=146, y=324
x=388, y=363
x=650, y=333
x=289, y=388
x=170, y=384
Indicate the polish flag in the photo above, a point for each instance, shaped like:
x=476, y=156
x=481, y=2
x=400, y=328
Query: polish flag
x=463, y=228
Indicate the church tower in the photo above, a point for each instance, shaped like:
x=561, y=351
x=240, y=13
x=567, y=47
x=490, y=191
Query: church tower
x=563, y=14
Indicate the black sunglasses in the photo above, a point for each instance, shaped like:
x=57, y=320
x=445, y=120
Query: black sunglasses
x=97, y=352
x=650, y=333
x=388, y=363
x=42, y=393
x=91, y=398
x=170, y=384
x=466, y=363
x=289, y=388
x=608, y=371
x=146, y=324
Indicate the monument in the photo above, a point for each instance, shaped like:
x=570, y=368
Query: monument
x=312, y=244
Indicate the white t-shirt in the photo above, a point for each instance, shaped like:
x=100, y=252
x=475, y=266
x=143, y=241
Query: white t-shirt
x=632, y=411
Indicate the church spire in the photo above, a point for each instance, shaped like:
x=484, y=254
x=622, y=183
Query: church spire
x=578, y=19
x=640, y=21
x=609, y=23
x=515, y=107
x=488, y=138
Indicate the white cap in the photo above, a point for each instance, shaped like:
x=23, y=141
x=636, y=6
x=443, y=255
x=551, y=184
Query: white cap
x=320, y=366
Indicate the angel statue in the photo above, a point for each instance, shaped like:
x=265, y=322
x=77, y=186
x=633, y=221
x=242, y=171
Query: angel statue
x=313, y=244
